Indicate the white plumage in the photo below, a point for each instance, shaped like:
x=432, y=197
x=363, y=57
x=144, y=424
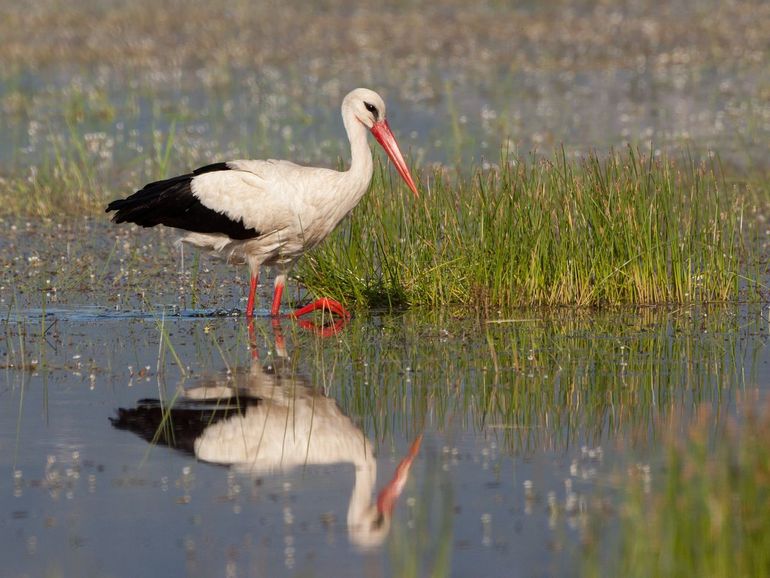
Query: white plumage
x=269, y=212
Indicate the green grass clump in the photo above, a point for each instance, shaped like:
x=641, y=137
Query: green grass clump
x=708, y=515
x=625, y=229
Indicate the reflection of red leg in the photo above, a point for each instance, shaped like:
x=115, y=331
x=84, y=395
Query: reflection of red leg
x=387, y=497
x=277, y=294
x=253, y=339
x=252, y=296
x=280, y=342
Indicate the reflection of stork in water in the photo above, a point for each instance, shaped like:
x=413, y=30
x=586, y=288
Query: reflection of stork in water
x=267, y=419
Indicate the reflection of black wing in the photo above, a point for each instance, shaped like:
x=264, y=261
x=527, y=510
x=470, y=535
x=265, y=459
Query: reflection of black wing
x=180, y=425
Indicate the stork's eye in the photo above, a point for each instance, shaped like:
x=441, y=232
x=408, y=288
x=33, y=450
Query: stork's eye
x=371, y=108
x=378, y=521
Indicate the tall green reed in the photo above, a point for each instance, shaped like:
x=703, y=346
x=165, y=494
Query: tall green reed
x=628, y=228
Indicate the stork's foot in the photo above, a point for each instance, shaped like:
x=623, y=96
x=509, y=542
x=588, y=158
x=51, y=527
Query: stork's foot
x=324, y=304
x=332, y=325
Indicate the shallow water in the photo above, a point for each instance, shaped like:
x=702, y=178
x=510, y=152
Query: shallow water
x=160, y=440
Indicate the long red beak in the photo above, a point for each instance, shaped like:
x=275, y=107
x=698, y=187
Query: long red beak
x=384, y=136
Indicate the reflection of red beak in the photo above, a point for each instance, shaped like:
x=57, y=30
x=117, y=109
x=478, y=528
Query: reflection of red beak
x=387, y=497
x=384, y=136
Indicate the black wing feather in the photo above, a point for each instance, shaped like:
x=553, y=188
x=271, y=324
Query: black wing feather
x=171, y=203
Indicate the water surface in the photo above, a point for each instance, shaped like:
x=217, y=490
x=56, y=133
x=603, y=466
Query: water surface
x=174, y=443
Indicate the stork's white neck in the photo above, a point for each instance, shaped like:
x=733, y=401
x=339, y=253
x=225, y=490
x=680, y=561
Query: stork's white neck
x=361, y=168
x=366, y=478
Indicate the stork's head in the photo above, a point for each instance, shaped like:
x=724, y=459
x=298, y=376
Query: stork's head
x=370, y=527
x=368, y=108
x=371, y=530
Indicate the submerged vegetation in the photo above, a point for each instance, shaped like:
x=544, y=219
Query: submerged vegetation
x=625, y=229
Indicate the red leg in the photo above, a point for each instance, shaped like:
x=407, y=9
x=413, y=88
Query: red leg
x=277, y=294
x=252, y=296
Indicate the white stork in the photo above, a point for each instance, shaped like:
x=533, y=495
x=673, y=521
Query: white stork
x=269, y=212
